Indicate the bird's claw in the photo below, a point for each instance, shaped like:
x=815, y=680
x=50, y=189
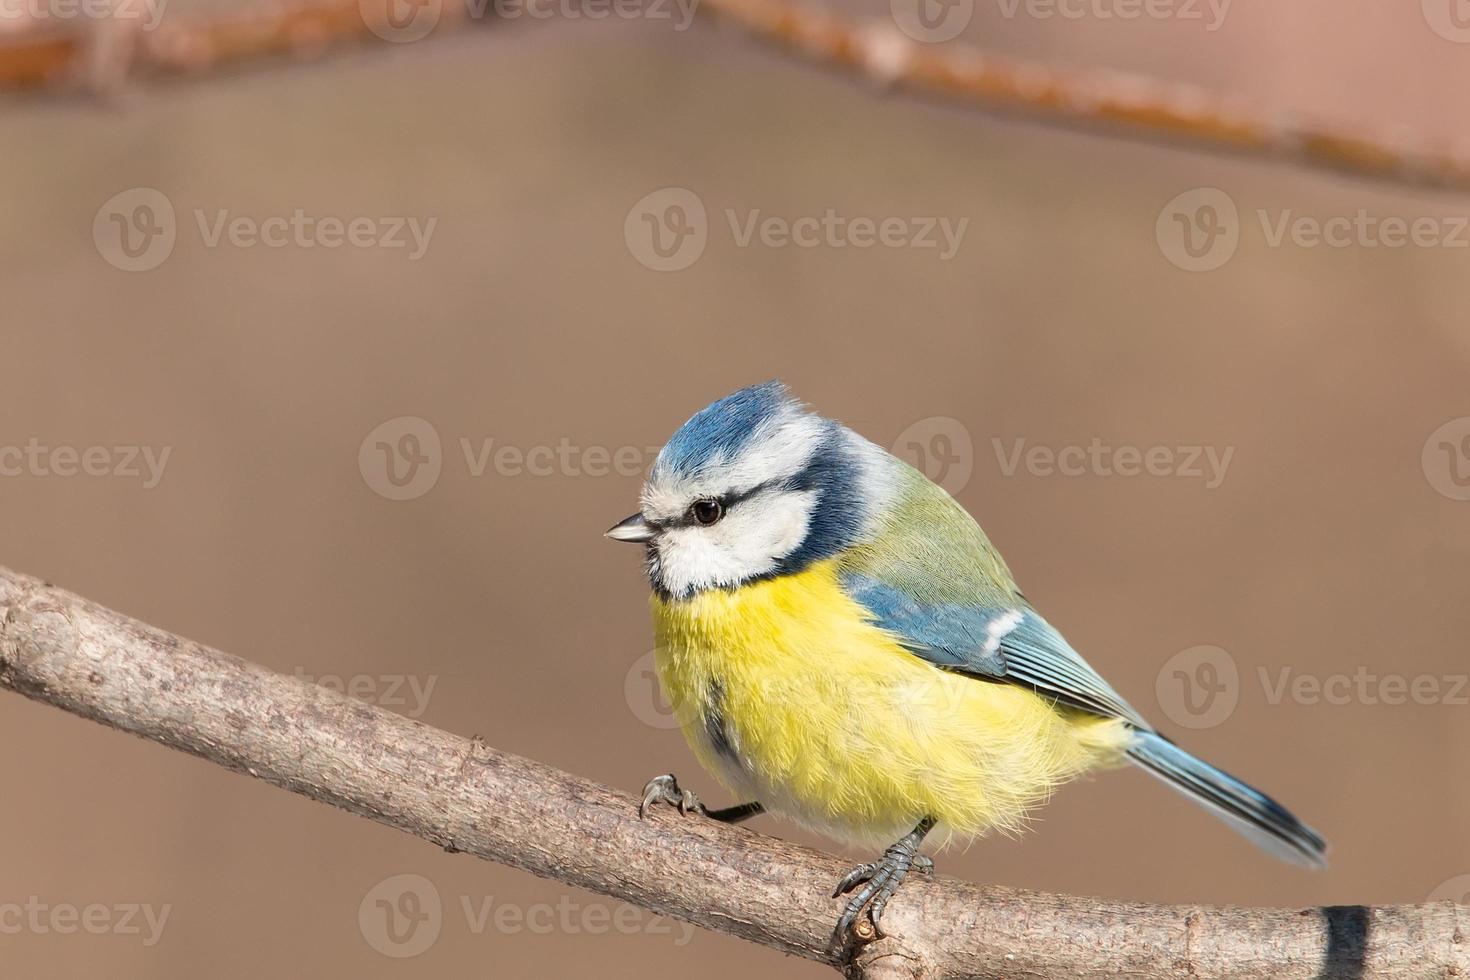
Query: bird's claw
x=665, y=789
x=879, y=880
x=854, y=877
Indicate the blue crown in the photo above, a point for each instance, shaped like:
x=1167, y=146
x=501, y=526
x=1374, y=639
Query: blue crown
x=723, y=428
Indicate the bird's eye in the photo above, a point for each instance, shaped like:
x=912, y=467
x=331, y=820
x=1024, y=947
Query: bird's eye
x=707, y=511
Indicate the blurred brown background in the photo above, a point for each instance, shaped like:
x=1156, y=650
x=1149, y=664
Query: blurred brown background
x=1334, y=544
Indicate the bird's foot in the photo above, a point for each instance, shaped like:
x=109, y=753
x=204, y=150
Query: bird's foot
x=879, y=880
x=665, y=789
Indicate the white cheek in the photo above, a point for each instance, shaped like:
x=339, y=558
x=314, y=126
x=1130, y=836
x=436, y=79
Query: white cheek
x=689, y=560
x=770, y=525
x=748, y=542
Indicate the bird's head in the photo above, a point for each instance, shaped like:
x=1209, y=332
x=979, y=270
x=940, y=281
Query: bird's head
x=753, y=486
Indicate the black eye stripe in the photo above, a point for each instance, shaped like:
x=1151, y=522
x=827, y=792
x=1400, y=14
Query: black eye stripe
x=731, y=499
x=726, y=501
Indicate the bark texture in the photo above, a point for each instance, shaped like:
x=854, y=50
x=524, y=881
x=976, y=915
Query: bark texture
x=458, y=793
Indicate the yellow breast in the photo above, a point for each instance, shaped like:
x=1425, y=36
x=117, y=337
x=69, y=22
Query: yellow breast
x=791, y=696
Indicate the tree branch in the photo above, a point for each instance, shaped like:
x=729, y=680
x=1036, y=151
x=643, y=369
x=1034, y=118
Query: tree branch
x=61, y=649
x=1132, y=105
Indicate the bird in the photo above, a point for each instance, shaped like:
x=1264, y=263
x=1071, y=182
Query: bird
x=844, y=647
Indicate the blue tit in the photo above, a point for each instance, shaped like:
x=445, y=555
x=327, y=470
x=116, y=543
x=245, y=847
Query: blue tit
x=844, y=647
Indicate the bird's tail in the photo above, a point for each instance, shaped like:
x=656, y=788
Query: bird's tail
x=1251, y=812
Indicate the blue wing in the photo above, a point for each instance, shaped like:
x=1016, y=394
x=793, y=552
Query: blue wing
x=1000, y=643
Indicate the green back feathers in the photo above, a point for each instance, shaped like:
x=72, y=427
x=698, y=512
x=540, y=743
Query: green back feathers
x=927, y=546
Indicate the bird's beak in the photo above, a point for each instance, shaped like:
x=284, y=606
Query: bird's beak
x=634, y=529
